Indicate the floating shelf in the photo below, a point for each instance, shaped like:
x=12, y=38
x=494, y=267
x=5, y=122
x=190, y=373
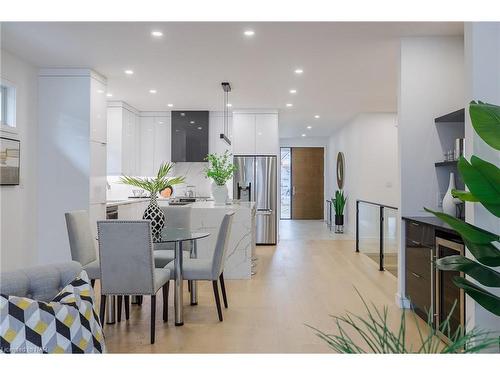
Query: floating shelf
x=446, y=163
x=453, y=117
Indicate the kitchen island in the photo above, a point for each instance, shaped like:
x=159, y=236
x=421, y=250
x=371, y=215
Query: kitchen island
x=207, y=217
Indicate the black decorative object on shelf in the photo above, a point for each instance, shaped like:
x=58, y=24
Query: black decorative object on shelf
x=453, y=117
x=155, y=214
x=446, y=163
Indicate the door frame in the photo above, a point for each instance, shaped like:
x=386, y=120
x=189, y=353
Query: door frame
x=291, y=178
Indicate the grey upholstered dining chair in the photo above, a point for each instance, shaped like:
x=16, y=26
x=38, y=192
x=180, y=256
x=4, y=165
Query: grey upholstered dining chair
x=210, y=269
x=176, y=217
x=81, y=243
x=127, y=265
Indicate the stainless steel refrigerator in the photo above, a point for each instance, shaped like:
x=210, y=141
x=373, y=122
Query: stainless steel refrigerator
x=255, y=180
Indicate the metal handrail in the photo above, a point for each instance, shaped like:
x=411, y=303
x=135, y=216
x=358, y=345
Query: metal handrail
x=381, y=228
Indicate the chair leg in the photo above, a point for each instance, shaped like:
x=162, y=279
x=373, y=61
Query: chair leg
x=217, y=299
x=153, y=317
x=223, y=288
x=119, y=308
x=127, y=307
x=102, y=309
x=165, y=301
x=92, y=283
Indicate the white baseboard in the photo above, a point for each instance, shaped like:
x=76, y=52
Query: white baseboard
x=402, y=302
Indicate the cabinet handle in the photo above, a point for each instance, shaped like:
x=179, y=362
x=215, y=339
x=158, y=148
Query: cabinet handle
x=413, y=223
x=416, y=275
x=415, y=242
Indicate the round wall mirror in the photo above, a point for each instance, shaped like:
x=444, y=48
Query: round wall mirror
x=340, y=170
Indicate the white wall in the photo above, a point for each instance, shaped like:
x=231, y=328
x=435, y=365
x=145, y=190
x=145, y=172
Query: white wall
x=369, y=144
x=482, y=59
x=431, y=84
x=18, y=204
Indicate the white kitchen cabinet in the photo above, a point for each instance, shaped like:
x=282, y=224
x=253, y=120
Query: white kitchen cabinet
x=97, y=172
x=255, y=133
x=98, y=111
x=243, y=141
x=147, y=143
x=123, y=138
x=71, y=154
x=162, y=141
x=266, y=134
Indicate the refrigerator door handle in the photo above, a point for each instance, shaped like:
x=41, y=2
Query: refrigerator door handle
x=264, y=211
x=249, y=191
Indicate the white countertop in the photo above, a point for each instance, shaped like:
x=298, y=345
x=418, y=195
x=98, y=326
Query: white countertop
x=195, y=205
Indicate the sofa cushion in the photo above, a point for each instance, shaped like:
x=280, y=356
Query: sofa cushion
x=41, y=282
x=67, y=324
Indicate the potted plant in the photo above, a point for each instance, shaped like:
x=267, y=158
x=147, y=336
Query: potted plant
x=339, y=206
x=220, y=169
x=154, y=185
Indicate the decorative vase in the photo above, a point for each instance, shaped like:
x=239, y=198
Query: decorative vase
x=449, y=203
x=155, y=214
x=219, y=193
x=339, y=223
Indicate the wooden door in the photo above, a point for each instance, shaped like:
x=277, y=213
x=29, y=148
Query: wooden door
x=307, y=183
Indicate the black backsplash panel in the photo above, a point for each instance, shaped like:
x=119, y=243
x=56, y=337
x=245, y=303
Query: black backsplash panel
x=189, y=136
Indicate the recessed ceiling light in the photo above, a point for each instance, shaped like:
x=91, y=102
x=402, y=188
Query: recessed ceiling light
x=309, y=127
x=170, y=105
x=299, y=71
x=152, y=91
x=109, y=95
x=191, y=122
x=316, y=116
x=249, y=33
x=156, y=34
x=289, y=104
x=129, y=72
x=100, y=91
x=293, y=91
x=303, y=135
x=200, y=128
x=229, y=105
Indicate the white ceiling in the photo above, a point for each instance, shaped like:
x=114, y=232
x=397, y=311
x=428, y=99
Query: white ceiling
x=348, y=67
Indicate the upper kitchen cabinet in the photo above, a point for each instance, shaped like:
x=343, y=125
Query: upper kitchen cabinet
x=123, y=137
x=154, y=142
x=255, y=133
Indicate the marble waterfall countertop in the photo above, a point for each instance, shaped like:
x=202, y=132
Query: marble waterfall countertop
x=207, y=216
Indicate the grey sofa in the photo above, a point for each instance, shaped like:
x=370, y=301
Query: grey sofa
x=41, y=283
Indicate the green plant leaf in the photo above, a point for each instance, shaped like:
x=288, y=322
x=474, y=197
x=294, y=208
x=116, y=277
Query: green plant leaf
x=464, y=196
x=486, y=122
x=487, y=254
x=486, y=299
x=486, y=276
x=468, y=232
x=483, y=180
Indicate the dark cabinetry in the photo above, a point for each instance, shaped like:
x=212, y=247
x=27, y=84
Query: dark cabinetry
x=419, y=267
x=429, y=289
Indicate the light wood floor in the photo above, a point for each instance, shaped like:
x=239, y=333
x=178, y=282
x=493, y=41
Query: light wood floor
x=299, y=281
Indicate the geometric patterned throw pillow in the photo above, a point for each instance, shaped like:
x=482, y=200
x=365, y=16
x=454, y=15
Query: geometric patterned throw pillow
x=67, y=324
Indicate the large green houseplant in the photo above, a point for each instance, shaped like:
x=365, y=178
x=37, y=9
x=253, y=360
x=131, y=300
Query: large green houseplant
x=154, y=185
x=483, y=182
x=339, y=205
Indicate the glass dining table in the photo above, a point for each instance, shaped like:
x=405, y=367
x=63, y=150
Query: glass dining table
x=179, y=236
